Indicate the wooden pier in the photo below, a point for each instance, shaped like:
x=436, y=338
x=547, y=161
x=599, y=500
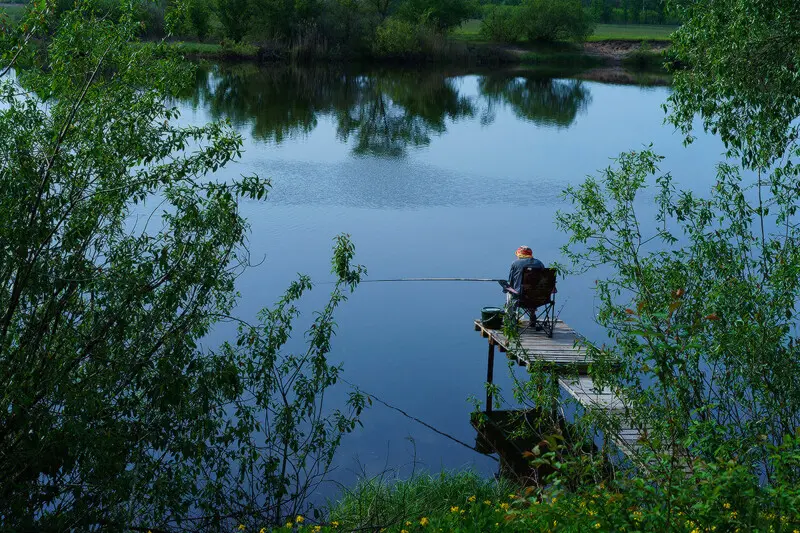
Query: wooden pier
x=564, y=354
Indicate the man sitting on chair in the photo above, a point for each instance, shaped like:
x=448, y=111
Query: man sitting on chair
x=512, y=288
x=524, y=259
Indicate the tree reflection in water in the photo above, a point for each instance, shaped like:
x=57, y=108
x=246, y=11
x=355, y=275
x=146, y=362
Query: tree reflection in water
x=543, y=101
x=383, y=112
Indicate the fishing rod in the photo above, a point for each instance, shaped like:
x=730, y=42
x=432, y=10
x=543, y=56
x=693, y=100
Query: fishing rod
x=503, y=282
x=431, y=279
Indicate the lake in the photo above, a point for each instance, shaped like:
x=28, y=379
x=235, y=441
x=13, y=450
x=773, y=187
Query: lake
x=433, y=174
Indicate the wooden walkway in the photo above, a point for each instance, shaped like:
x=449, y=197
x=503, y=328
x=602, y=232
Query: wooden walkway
x=563, y=352
x=560, y=350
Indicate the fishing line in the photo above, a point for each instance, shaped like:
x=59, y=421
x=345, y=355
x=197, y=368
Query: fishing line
x=500, y=281
x=415, y=419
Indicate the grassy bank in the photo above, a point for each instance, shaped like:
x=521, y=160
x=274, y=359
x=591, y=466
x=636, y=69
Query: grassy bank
x=632, y=32
x=471, y=31
x=404, y=503
x=710, y=499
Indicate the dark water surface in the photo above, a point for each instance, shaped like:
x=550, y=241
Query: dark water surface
x=439, y=174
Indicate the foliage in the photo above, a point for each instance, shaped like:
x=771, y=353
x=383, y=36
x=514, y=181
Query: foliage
x=701, y=306
x=383, y=501
x=283, y=19
x=750, y=97
x=501, y=24
x=554, y=20
x=112, y=414
x=235, y=17
x=717, y=496
x=396, y=38
x=442, y=15
x=200, y=17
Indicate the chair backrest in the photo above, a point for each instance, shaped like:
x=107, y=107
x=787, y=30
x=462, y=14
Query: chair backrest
x=537, y=287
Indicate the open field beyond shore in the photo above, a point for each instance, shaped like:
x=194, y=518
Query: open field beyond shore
x=470, y=31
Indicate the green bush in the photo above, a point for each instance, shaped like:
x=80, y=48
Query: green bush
x=555, y=20
x=396, y=38
x=234, y=17
x=501, y=24
x=442, y=15
x=200, y=17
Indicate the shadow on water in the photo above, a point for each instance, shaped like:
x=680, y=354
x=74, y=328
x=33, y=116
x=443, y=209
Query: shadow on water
x=381, y=112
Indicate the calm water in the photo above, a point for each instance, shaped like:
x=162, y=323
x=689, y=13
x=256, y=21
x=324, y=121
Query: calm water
x=433, y=174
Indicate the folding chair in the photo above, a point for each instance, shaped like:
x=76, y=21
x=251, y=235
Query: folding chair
x=537, y=298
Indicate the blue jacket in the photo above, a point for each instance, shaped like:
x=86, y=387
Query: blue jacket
x=515, y=274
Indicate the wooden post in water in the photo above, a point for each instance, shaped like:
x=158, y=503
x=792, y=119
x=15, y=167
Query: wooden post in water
x=490, y=376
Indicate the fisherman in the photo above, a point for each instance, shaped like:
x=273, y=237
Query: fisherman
x=514, y=285
x=524, y=259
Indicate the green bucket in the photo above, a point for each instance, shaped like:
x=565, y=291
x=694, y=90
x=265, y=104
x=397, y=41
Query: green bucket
x=492, y=317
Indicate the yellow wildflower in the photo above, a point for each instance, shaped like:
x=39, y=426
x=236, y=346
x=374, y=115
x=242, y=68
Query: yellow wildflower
x=316, y=529
x=335, y=523
x=262, y=530
x=403, y=531
x=487, y=502
x=695, y=530
x=555, y=500
x=472, y=499
x=454, y=509
x=462, y=511
x=289, y=525
x=734, y=514
x=424, y=521
x=597, y=525
x=504, y=506
x=726, y=505
x=299, y=519
x=241, y=527
x=408, y=523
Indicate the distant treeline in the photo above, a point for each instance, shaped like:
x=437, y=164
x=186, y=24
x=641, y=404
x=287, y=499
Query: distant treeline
x=618, y=11
x=385, y=29
x=313, y=28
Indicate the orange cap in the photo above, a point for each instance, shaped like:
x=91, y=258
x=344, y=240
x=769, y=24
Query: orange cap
x=524, y=251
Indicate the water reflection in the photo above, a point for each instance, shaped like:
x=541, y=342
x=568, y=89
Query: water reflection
x=545, y=102
x=383, y=113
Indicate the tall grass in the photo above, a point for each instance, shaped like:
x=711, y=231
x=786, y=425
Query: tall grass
x=380, y=502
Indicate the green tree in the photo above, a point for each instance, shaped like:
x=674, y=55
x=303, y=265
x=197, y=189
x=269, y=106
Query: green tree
x=199, y=13
x=554, y=20
x=442, y=15
x=235, y=17
x=501, y=24
x=112, y=414
x=702, y=301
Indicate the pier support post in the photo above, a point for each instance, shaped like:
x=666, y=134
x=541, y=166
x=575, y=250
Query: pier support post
x=490, y=376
